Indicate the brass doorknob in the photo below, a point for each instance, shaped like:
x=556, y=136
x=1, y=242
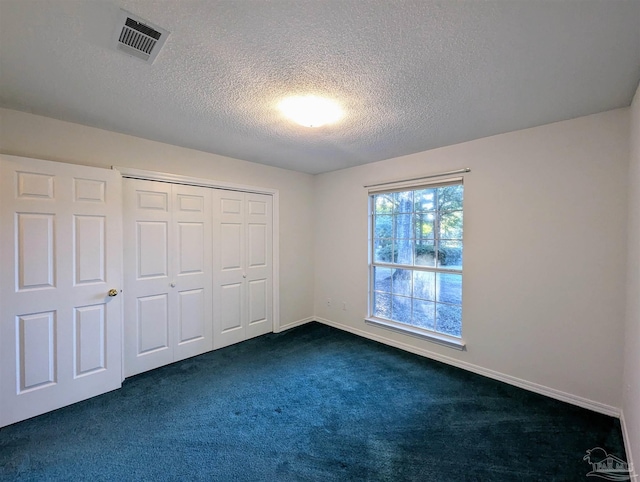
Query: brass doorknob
x=113, y=292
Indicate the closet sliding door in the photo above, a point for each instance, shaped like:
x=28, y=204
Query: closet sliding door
x=168, y=273
x=242, y=266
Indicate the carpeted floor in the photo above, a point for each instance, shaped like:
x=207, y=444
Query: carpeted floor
x=310, y=404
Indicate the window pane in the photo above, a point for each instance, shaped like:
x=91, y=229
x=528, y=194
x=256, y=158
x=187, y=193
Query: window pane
x=401, y=309
x=450, y=197
x=401, y=282
x=403, y=201
x=425, y=228
x=449, y=319
x=383, y=203
x=450, y=254
x=403, y=226
x=382, y=305
x=422, y=228
x=424, y=200
x=382, y=250
x=404, y=251
x=383, y=226
x=424, y=314
x=450, y=225
x=382, y=279
x=449, y=288
x=424, y=285
x=425, y=253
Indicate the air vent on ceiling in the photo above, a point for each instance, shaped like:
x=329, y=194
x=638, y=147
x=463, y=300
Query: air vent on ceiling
x=138, y=37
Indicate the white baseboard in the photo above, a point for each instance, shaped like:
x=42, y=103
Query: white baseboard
x=293, y=324
x=518, y=382
x=627, y=446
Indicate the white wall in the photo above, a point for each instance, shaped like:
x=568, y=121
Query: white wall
x=545, y=250
x=631, y=397
x=39, y=137
x=545, y=234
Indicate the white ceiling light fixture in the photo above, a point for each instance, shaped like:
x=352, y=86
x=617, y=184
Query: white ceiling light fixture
x=311, y=110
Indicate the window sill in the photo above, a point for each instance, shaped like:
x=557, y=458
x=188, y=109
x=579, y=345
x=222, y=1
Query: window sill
x=455, y=343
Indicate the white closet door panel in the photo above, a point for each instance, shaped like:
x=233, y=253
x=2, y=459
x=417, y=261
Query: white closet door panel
x=152, y=200
x=191, y=300
x=61, y=244
x=231, y=313
x=230, y=245
x=258, y=301
x=153, y=324
x=258, y=244
x=190, y=248
x=229, y=306
x=192, y=319
x=148, y=237
x=230, y=203
x=152, y=249
x=230, y=236
x=190, y=203
x=243, y=292
x=259, y=222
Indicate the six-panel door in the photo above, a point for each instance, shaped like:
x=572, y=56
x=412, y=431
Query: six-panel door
x=61, y=248
x=192, y=266
x=259, y=264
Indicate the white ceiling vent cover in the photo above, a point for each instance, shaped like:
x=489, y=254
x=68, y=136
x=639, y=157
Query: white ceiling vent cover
x=138, y=37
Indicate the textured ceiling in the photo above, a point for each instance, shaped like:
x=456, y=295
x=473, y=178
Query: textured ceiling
x=411, y=75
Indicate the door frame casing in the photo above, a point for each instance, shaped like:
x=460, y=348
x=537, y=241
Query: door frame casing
x=146, y=175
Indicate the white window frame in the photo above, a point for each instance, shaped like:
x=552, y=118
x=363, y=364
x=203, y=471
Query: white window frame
x=422, y=333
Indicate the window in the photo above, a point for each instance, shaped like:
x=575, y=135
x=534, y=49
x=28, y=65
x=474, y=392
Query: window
x=416, y=259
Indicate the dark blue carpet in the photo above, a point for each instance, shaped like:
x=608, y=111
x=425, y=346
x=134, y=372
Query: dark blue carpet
x=310, y=404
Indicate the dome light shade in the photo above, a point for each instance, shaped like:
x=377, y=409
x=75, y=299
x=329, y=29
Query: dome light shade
x=310, y=110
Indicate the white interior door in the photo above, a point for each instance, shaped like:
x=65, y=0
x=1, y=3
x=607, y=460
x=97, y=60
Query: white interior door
x=258, y=226
x=242, y=266
x=148, y=237
x=167, y=273
x=61, y=248
x=192, y=268
x=229, y=308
